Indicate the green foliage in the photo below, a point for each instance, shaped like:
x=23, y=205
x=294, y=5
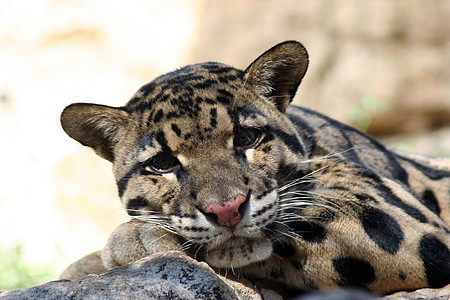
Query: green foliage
x=363, y=115
x=15, y=273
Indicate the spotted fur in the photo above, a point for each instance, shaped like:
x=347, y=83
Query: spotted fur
x=325, y=205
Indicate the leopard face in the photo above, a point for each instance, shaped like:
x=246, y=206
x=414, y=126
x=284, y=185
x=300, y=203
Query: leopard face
x=199, y=151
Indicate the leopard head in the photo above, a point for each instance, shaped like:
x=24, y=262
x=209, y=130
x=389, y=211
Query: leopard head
x=203, y=150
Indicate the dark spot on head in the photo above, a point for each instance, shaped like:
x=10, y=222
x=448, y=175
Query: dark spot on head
x=158, y=116
x=436, y=260
x=246, y=180
x=147, y=89
x=205, y=84
x=187, y=136
x=382, y=229
x=354, y=271
x=402, y=276
x=213, y=120
x=193, y=195
x=223, y=100
x=172, y=115
x=176, y=129
x=210, y=101
x=161, y=138
x=309, y=231
x=123, y=182
x=154, y=180
x=133, y=205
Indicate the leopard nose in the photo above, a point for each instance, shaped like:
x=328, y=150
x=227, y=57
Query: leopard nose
x=227, y=211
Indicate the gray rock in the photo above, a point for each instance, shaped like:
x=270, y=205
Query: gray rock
x=171, y=275
x=429, y=294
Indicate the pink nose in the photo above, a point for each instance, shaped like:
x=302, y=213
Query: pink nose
x=227, y=211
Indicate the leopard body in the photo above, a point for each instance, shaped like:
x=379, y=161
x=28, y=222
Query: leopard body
x=213, y=161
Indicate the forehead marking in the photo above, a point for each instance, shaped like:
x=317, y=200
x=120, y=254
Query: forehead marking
x=176, y=129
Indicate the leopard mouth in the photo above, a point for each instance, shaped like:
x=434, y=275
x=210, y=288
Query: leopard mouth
x=238, y=252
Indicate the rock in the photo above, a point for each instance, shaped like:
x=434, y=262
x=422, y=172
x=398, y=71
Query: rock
x=171, y=275
x=430, y=294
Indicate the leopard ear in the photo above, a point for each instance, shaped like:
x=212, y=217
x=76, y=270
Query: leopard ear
x=97, y=126
x=277, y=73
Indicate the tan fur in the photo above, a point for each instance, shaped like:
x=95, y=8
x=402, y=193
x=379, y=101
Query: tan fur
x=325, y=205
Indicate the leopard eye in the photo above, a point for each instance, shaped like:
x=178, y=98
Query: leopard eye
x=161, y=163
x=247, y=137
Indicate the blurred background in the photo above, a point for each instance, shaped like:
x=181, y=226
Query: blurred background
x=380, y=65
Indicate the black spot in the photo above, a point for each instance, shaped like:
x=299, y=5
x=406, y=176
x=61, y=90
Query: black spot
x=436, y=260
x=154, y=180
x=225, y=93
x=382, y=229
x=354, y=271
x=161, y=138
x=223, y=100
x=309, y=231
x=402, y=276
x=135, y=204
x=187, y=136
x=193, y=195
x=158, y=116
x=205, y=84
x=176, y=129
x=246, y=180
x=173, y=115
x=213, y=120
x=123, y=182
x=296, y=264
x=431, y=201
x=163, y=98
x=210, y=101
x=284, y=250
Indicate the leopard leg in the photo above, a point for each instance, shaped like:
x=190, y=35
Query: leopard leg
x=134, y=240
x=130, y=241
x=90, y=264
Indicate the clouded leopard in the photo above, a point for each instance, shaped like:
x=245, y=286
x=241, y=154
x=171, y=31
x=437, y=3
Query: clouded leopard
x=213, y=161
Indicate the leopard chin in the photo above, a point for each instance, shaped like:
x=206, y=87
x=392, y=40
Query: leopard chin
x=238, y=252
